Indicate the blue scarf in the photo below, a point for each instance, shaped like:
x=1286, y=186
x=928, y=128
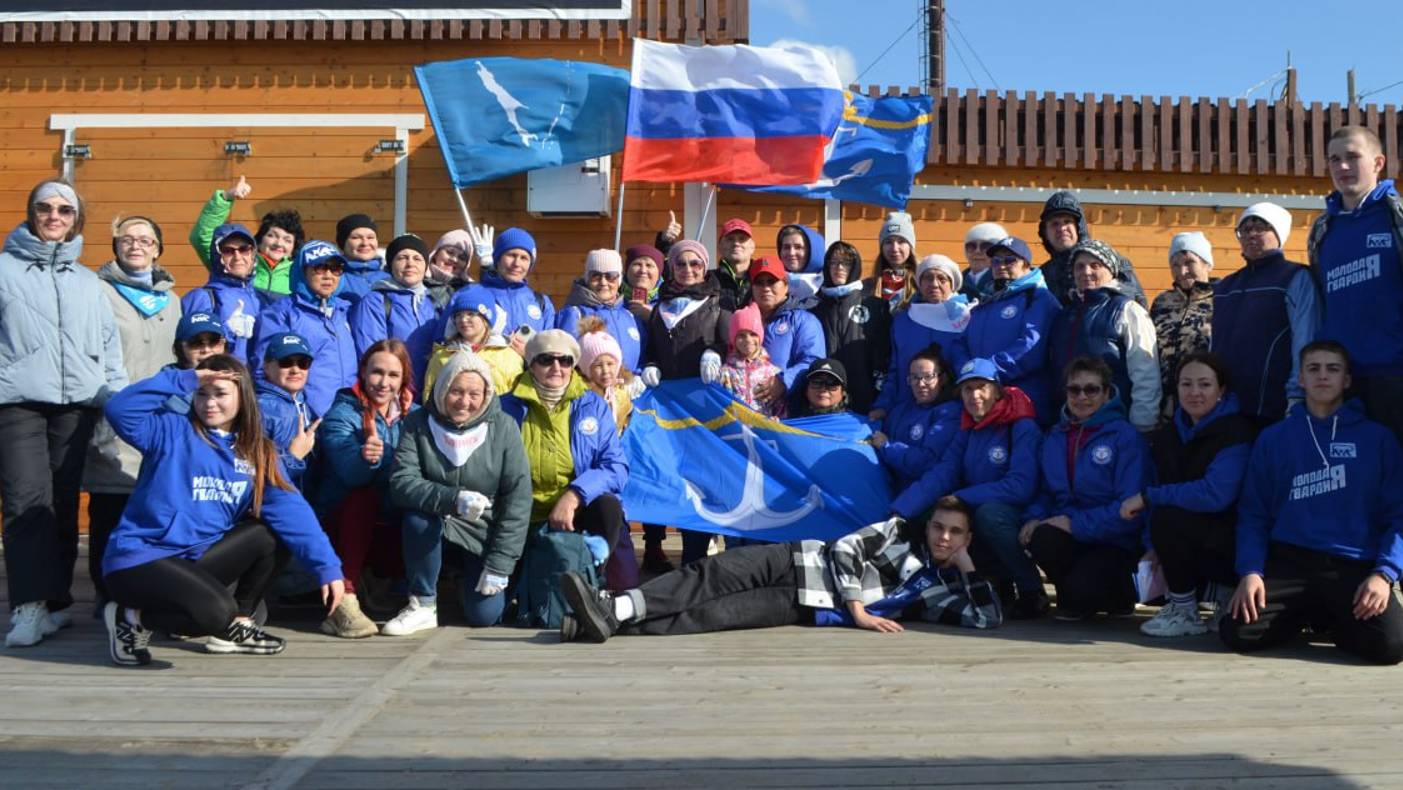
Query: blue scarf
x=148, y=303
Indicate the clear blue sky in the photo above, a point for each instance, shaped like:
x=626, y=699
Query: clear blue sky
x=1189, y=48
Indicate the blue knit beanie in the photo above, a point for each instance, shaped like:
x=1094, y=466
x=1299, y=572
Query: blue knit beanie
x=514, y=239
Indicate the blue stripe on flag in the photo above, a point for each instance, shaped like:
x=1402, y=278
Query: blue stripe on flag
x=744, y=113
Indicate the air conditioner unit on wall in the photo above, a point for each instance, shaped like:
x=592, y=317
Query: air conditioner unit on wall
x=578, y=190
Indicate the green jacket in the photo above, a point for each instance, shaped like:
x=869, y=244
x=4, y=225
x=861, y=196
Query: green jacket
x=267, y=278
x=423, y=480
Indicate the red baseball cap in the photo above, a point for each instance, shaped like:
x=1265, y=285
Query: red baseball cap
x=767, y=264
x=734, y=224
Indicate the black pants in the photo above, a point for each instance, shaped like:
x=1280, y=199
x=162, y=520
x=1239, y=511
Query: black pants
x=42, y=450
x=748, y=587
x=605, y=517
x=1089, y=577
x=1311, y=587
x=193, y=598
x=1193, y=548
x=104, y=511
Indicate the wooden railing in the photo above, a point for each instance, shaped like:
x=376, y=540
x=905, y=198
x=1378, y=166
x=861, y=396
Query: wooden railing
x=1171, y=135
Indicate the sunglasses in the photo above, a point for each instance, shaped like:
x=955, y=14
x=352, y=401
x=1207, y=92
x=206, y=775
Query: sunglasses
x=61, y=210
x=297, y=360
x=329, y=268
x=980, y=246
x=241, y=249
x=691, y=264
x=1004, y=260
x=1090, y=390
x=612, y=277
x=546, y=360
x=824, y=384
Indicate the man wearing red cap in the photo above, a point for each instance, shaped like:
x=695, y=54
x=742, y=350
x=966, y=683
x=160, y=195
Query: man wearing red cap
x=735, y=248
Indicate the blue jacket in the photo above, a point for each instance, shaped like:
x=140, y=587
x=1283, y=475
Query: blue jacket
x=1107, y=323
x=517, y=304
x=595, y=450
x=917, y=436
x=58, y=339
x=1215, y=487
x=358, y=279
x=995, y=461
x=325, y=327
x=388, y=310
x=1333, y=485
x=1011, y=327
x=1109, y=465
x=191, y=491
x=234, y=300
x=794, y=340
x=619, y=322
x=283, y=414
x=1263, y=315
x=339, y=465
x=914, y=328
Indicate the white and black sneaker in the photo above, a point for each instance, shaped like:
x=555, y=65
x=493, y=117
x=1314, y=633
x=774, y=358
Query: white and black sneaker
x=244, y=636
x=593, y=613
x=126, y=643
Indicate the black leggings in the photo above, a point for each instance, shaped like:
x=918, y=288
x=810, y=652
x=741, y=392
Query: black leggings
x=192, y=598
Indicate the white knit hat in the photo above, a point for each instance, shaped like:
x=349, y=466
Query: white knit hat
x=1192, y=241
x=606, y=261
x=945, y=266
x=1277, y=217
x=987, y=232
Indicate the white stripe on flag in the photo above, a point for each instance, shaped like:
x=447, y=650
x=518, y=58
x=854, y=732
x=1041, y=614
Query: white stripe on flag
x=658, y=66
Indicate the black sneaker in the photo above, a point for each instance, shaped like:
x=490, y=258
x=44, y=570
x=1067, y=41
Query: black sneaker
x=244, y=636
x=594, y=615
x=126, y=643
x=1029, y=606
x=1067, y=614
x=569, y=628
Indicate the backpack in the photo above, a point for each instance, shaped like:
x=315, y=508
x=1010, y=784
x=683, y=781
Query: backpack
x=550, y=553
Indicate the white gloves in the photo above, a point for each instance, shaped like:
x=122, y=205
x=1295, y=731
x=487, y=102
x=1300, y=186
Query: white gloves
x=651, y=376
x=482, y=244
x=635, y=386
x=471, y=504
x=490, y=583
x=710, y=367
x=239, y=323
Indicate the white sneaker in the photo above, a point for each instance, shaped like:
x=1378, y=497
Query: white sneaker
x=412, y=619
x=1175, y=619
x=27, y=624
x=57, y=621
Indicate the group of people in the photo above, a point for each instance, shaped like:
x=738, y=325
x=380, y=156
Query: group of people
x=355, y=413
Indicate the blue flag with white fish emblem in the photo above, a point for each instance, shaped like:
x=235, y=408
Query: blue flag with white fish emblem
x=699, y=459
x=498, y=116
x=876, y=153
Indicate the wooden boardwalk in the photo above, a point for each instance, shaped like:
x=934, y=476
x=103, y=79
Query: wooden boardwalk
x=1086, y=705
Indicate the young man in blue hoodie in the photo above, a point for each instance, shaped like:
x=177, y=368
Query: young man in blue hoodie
x=869, y=579
x=1320, y=524
x=1356, y=254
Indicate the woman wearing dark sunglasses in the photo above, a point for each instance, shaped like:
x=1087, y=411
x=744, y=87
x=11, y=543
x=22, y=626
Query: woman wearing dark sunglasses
x=1092, y=461
x=60, y=359
x=578, y=468
x=282, y=401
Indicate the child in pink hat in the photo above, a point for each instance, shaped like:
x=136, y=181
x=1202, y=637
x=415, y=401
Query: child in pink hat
x=747, y=365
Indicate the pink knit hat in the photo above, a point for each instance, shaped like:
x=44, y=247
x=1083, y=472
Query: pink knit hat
x=746, y=319
x=597, y=344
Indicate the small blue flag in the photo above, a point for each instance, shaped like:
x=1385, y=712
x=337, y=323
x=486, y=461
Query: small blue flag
x=499, y=116
x=876, y=153
x=699, y=459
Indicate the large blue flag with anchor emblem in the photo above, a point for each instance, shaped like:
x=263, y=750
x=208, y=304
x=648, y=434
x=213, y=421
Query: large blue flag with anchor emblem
x=699, y=459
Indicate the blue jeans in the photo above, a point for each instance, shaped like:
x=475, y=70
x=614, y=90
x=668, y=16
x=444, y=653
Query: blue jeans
x=996, y=528
x=422, y=536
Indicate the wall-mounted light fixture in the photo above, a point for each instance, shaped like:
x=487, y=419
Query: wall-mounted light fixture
x=390, y=146
x=238, y=148
x=77, y=151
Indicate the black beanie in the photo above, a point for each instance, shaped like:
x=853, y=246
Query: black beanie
x=349, y=223
x=406, y=242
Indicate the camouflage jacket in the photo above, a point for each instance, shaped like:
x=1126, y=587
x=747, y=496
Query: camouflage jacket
x=1183, y=324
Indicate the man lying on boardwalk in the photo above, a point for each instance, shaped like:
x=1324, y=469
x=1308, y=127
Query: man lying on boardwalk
x=869, y=579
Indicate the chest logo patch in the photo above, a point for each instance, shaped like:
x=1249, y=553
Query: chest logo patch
x=859, y=314
x=998, y=456
x=917, y=431
x=534, y=312
x=1101, y=454
x=633, y=333
x=1009, y=311
x=1343, y=450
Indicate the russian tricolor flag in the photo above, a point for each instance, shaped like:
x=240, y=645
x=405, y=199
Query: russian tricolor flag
x=731, y=114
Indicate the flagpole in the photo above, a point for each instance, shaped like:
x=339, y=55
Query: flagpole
x=619, y=219
x=467, y=218
x=706, y=210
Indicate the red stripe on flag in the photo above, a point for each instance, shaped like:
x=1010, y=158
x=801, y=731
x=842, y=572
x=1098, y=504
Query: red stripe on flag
x=764, y=161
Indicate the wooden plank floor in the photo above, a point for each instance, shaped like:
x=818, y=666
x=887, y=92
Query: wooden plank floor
x=1042, y=704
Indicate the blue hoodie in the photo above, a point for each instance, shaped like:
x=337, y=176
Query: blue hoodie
x=340, y=466
x=1360, y=279
x=619, y=322
x=1110, y=463
x=1220, y=487
x=1010, y=328
x=358, y=279
x=1333, y=485
x=794, y=340
x=392, y=310
x=235, y=301
x=323, y=324
x=283, y=414
x=914, y=328
x=595, y=450
x=916, y=438
x=518, y=305
x=993, y=461
x=191, y=491
x=804, y=284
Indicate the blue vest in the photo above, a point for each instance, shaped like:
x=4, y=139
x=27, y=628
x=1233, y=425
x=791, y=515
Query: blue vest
x=1252, y=333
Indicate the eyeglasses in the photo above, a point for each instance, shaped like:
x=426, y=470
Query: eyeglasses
x=62, y=210
x=690, y=264
x=1253, y=229
x=145, y=242
x=305, y=363
x=977, y=246
x=927, y=379
x=1004, y=260
x=824, y=384
x=546, y=360
x=612, y=277
x=241, y=249
x=1089, y=391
